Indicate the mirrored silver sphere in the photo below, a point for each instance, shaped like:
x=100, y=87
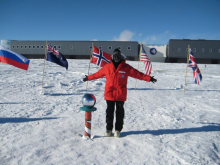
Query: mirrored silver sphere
x=88, y=100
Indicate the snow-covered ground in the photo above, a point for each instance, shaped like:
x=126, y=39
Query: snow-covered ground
x=44, y=126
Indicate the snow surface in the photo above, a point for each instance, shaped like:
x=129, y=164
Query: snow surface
x=162, y=125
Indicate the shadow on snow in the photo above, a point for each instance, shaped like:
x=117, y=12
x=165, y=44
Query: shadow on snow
x=208, y=128
x=23, y=120
x=60, y=94
x=174, y=89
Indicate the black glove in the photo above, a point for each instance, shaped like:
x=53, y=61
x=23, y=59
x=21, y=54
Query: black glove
x=85, y=79
x=153, y=80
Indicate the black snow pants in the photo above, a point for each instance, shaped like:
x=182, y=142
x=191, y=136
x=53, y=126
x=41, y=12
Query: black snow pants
x=119, y=115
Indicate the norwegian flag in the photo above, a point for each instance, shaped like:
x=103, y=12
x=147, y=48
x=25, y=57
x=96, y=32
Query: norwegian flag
x=197, y=76
x=99, y=57
x=147, y=62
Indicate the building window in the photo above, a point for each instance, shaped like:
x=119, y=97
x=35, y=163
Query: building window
x=100, y=47
x=110, y=48
x=55, y=47
x=119, y=47
x=33, y=47
x=129, y=47
x=203, y=50
x=210, y=50
x=59, y=47
x=71, y=47
x=25, y=46
x=17, y=47
x=29, y=46
x=42, y=46
x=194, y=50
x=38, y=46
x=179, y=49
x=13, y=46
x=90, y=47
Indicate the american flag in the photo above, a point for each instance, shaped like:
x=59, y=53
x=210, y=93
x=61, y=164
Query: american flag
x=197, y=76
x=147, y=62
x=99, y=57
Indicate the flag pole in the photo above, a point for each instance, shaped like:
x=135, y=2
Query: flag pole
x=44, y=63
x=89, y=64
x=138, y=64
x=186, y=67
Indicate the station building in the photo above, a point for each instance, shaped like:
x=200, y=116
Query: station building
x=205, y=51
x=72, y=49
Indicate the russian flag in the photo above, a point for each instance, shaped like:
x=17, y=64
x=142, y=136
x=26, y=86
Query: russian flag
x=9, y=57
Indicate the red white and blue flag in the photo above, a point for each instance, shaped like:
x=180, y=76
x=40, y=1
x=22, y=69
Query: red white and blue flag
x=9, y=57
x=192, y=60
x=99, y=57
x=51, y=49
x=55, y=56
x=197, y=76
x=147, y=62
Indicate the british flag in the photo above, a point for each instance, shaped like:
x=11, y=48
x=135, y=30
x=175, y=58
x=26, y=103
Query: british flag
x=197, y=76
x=192, y=61
x=147, y=62
x=99, y=57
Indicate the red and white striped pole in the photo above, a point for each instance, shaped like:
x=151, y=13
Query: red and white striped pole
x=88, y=101
x=88, y=122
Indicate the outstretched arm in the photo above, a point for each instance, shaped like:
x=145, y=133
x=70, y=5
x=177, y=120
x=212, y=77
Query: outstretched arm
x=97, y=75
x=141, y=76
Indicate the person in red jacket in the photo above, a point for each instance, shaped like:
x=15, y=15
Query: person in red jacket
x=116, y=73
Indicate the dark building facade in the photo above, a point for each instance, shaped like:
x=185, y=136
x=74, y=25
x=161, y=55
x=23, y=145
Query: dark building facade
x=74, y=49
x=205, y=51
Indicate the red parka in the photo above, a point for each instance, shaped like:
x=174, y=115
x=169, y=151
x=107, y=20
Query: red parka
x=116, y=80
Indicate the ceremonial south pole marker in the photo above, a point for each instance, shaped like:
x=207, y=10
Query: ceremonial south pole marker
x=88, y=102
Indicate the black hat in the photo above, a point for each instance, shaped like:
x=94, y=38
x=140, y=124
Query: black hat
x=116, y=56
x=116, y=50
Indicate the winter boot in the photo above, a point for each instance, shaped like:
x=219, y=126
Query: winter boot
x=117, y=134
x=108, y=133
